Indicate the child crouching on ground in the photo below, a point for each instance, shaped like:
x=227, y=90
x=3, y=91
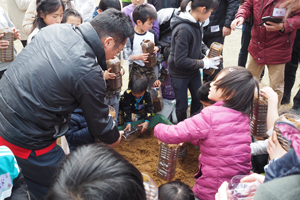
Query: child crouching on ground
x=136, y=101
x=221, y=131
x=143, y=16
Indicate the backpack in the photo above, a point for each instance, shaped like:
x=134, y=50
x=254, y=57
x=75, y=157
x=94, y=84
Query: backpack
x=164, y=18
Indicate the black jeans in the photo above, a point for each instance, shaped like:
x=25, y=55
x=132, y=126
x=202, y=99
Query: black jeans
x=296, y=105
x=290, y=76
x=245, y=40
x=208, y=41
x=180, y=86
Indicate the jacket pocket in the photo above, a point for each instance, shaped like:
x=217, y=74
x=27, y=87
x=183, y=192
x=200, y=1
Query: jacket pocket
x=199, y=173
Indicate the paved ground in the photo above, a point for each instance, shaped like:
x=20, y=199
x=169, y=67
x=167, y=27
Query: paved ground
x=230, y=54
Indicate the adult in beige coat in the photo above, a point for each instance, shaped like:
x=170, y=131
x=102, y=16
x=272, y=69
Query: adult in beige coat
x=16, y=12
x=31, y=13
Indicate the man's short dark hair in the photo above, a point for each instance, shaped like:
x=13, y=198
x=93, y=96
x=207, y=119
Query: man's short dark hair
x=97, y=171
x=202, y=93
x=70, y=12
x=138, y=83
x=143, y=12
x=113, y=23
x=105, y=4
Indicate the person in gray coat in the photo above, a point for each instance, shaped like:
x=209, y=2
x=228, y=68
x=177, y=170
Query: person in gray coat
x=60, y=70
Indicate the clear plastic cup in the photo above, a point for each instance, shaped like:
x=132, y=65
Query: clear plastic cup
x=150, y=187
x=242, y=191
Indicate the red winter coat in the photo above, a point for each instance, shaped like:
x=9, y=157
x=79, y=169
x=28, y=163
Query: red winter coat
x=269, y=47
x=223, y=135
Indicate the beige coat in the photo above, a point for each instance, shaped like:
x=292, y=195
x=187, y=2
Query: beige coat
x=30, y=15
x=16, y=12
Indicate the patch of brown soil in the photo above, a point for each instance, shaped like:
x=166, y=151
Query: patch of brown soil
x=143, y=153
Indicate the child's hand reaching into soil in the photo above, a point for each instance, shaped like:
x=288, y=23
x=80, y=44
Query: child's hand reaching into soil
x=128, y=127
x=144, y=125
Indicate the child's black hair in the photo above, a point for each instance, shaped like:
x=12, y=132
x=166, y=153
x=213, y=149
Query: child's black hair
x=138, y=83
x=105, y=4
x=175, y=190
x=70, y=12
x=97, y=171
x=208, y=4
x=143, y=12
x=46, y=7
x=238, y=85
x=202, y=93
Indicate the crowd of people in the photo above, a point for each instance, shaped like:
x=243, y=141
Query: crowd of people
x=57, y=87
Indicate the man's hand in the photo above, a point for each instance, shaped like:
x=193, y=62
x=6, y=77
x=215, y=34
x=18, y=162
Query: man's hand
x=128, y=127
x=271, y=26
x=275, y=150
x=226, y=31
x=118, y=141
x=237, y=22
x=157, y=83
x=144, y=126
x=107, y=75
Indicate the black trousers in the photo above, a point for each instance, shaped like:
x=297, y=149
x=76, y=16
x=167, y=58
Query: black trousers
x=290, y=76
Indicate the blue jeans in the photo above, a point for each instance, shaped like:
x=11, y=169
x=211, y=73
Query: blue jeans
x=180, y=86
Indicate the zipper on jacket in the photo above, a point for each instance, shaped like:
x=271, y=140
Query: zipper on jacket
x=262, y=3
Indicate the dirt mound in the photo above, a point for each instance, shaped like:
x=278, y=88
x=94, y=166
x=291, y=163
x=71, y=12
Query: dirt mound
x=143, y=154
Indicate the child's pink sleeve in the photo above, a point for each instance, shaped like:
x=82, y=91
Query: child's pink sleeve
x=191, y=129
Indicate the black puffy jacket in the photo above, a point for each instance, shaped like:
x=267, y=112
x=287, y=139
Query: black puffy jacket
x=48, y=80
x=222, y=16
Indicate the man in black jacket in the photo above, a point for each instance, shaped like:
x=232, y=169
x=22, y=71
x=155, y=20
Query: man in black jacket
x=60, y=70
x=219, y=27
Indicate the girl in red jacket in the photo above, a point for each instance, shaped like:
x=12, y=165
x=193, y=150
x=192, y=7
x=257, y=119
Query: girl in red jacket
x=221, y=131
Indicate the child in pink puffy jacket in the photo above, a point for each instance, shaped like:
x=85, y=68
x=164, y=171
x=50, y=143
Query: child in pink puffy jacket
x=221, y=131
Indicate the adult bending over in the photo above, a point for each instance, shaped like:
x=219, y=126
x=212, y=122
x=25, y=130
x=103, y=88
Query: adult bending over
x=61, y=69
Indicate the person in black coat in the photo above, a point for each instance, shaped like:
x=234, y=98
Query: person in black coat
x=219, y=27
x=78, y=133
x=160, y=4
